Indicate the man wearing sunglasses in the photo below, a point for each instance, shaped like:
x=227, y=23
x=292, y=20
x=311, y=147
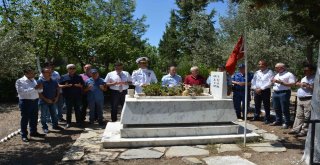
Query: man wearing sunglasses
x=72, y=84
x=143, y=76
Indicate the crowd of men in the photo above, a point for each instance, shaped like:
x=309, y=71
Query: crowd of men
x=86, y=91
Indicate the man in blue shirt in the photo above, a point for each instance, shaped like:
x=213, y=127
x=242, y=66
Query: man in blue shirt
x=239, y=81
x=71, y=84
x=171, y=79
x=95, y=86
x=48, y=99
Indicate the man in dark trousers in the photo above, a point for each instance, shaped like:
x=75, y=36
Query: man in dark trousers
x=28, y=90
x=72, y=85
x=118, y=82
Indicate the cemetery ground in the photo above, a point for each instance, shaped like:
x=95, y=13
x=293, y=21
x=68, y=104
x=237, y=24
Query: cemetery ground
x=56, y=147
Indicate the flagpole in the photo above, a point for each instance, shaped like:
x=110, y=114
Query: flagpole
x=246, y=88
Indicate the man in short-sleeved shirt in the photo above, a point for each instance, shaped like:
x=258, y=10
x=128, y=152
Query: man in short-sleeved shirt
x=171, y=79
x=194, y=78
x=282, y=83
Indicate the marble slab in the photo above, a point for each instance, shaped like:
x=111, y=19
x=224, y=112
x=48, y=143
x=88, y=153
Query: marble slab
x=112, y=139
x=202, y=130
x=175, y=111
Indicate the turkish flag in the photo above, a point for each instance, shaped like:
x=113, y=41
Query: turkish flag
x=237, y=54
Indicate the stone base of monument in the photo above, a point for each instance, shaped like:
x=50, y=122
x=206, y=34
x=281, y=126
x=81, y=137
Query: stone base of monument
x=183, y=120
x=112, y=138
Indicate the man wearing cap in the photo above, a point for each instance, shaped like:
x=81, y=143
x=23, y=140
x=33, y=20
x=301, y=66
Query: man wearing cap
x=261, y=84
x=282, y=83
x=143, y=76
x=239, y=82
x=72, y=84
x=171, y=79
x=118, y=82
x=85, y=76
x=194, y=78
x=95, y=86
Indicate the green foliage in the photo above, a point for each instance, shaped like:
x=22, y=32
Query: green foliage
x=158, y=90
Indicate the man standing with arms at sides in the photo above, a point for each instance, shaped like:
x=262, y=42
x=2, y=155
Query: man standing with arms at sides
x=95, y=86
x=239, y=83
x=85, y=76
x=304, y=94
x=118, y=82
x=28, y=89
x=261, y=84
x=283, y=81
x=171, y=79
x=143, y=76
x=48, y=99
x=72, y=85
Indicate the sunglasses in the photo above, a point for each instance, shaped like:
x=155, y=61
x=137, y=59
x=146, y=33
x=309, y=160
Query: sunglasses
x=72, y=68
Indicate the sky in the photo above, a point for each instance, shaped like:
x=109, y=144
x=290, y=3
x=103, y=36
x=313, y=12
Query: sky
x=158, y=15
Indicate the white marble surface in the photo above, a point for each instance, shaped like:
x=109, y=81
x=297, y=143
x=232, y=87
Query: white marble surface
x=218, y=85
x=111, y=139
x=179, y=131
x=173, y=111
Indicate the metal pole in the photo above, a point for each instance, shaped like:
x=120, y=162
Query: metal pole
x=246, y=88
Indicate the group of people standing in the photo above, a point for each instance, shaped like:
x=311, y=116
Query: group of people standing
x=262, y=82
x=51, y=92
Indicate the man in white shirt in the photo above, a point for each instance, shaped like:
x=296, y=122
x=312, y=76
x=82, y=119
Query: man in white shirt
x=118, y=82
x=28, y=90
x=261, y=84
x=282, y=83
x=172, y=79
x=304, y=94
x=143, y=76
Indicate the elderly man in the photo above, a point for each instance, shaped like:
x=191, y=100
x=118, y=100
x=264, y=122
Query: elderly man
x=283, y=81
x=48, y=99
x=143, y=76
x=304, y=94
x=85, y=76
x=95, y=86
x=71, y=85
x=194, y=78
x=171, y=79
x=261, y=84
x=28, y=89
x=239, y=82
x=118, y=82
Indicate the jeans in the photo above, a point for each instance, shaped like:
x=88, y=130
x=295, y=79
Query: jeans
x=84, y=107
x=60, y=105
x=265, y=98
x=281, y=102
x=48, y=110
x=239, y=102
x=117, y=98
x=96, y=107
x=73, y=103
x=29, y=114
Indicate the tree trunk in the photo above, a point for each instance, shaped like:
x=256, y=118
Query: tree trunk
x=309, y=52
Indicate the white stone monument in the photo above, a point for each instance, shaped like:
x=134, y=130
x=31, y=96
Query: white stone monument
x=218, y=85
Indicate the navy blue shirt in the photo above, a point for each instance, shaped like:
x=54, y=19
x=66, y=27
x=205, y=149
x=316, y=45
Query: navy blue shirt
x=50, y=89
x=95, y=93
x=241, y=78
x=73, y=91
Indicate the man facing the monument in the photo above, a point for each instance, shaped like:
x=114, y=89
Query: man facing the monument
x=172, y=79
x=143, y=76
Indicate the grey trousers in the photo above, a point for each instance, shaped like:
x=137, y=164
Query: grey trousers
x=303, y=114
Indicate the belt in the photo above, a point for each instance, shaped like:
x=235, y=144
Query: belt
x=282, y=91
x=305, y=98
x=29, y=99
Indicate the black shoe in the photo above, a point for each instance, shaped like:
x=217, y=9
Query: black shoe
x=62, y=120
x=275, y=124
x=284, y=126
x=292, y=132
x=79, y=125
x=25, y=139
x=301, y=134
x=57, y=128
x=67, y=126
x=255, y=119
x=91, y=122
x=37, y=134
x=266, y=122
x=102, y=123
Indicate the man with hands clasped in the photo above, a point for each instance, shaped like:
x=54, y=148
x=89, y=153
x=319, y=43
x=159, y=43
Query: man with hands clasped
x=95, y=86
x=118, y=82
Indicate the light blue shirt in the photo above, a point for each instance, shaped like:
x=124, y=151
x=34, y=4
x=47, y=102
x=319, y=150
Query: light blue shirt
x=95, y=93
x=171, y=81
